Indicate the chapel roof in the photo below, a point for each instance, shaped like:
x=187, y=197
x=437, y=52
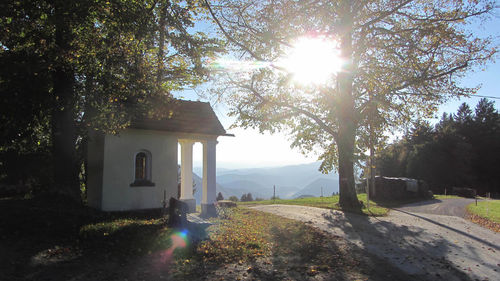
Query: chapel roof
x=184, y=116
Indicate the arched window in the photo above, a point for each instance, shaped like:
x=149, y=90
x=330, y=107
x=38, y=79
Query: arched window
x=140, y=166
x=142, y=169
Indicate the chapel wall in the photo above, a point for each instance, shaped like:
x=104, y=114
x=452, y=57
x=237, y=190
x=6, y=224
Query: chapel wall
x=119, y=170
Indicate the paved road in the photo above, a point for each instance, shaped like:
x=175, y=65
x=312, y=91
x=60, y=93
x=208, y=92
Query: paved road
x=426, y=246
x=446, y=207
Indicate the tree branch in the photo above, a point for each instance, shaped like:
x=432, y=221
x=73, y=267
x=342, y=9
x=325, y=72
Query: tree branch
x=385, y=14
x=296, y=109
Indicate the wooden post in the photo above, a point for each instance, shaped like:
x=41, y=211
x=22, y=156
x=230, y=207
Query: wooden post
x=164, y=202
x=274, y=193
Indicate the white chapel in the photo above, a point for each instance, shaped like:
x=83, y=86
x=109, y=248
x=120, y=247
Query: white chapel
x=138, y=168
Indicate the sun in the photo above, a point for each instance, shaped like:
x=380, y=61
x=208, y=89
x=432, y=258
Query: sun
x=313, y=60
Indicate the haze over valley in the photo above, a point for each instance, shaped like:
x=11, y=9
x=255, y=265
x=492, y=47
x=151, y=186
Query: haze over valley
x=290, y=181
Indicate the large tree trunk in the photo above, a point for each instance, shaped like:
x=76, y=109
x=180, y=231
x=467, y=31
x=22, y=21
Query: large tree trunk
x=345, y=144
x=346, y=120
x=63, y=114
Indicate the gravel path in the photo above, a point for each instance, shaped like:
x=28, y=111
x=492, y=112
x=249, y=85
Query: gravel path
x=428, y=246
x=447, y=207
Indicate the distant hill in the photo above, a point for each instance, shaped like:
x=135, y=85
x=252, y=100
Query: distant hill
x=314, y=188
x=305, y=196
x=293, y=175
x=245, y=186
x=219, y=188
x=290, y=181
x=285, y=192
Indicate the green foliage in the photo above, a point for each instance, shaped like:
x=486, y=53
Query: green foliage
x=246, y=197
x=402, y=59
x=71, y=66
x=233, y=198
x=461, y=150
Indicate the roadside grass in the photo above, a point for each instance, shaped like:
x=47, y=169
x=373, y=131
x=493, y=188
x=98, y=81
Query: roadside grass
x=486, y=214
x=331, y=202
x=488, y=209
x=442, y=196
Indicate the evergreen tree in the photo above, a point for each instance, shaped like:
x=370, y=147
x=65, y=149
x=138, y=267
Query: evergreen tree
x=249, y=197
x=244, y=198
x=220, y=197
x=462, y=150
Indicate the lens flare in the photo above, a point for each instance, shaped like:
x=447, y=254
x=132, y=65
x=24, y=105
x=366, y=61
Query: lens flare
x=164, y=258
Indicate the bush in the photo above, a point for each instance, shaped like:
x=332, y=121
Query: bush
x=233, y=198
x=220, y=197
x=246, y=197
x=464, y=192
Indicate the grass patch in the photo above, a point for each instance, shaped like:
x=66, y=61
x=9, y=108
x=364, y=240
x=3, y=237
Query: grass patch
x=488, y=209
x=442, y=196
x=325, y=202
x=114, y=226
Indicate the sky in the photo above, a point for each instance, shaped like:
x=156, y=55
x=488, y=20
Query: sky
x=250, y=149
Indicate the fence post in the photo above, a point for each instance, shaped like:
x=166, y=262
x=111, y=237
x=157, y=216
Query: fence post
x=274, y=193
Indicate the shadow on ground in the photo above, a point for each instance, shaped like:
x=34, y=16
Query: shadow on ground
x=56, y=240
x=400, y=245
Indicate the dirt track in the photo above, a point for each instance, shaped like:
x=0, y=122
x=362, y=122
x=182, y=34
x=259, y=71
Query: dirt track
x=428, y=246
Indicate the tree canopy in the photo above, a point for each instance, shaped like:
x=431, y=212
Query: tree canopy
x=401, y=60
x=70, y=66
x=461, y=150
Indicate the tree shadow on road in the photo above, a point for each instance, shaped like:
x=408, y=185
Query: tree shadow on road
x=409, y=247
x=461, y=232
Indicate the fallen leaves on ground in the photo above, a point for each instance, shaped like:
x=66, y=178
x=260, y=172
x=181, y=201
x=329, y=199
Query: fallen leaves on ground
x=484, y=222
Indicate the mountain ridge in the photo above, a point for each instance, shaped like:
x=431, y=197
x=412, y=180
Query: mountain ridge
x=289, y=181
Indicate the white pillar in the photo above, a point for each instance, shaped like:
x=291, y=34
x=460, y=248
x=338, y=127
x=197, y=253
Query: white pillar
x=209, y=174
x=187, y=174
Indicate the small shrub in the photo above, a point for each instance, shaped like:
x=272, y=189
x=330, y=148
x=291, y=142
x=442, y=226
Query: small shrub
x=220, y=197
x=246, y=197
x=464, y=192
